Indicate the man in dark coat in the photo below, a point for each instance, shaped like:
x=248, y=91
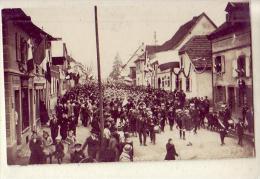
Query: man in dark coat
x=54, y=126
x=171, y=152
x=240, y=131
x=37, y=155
x=194, y=113
x=93, y=144
x=141, y=128
x=171, y=117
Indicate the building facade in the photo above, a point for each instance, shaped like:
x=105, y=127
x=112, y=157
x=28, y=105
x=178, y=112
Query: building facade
x=195, y=77
x=232, y=59
x=24, y=49
x=168, y=51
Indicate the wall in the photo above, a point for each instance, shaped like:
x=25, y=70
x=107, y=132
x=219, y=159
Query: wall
x=231, y=48
x=239, y=46
x=201, y=84
x=203, y=27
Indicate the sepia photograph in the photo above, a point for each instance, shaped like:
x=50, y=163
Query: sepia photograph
x=128, y=83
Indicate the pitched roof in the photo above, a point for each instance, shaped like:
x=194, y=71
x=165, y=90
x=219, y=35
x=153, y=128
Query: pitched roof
x=169, y=65
x=198, y=48
x=140, y=57
x=228, y=28
x=237, y=6
x=151, y=49
x=24, y=21
x=179, y=36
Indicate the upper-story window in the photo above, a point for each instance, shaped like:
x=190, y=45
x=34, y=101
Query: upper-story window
x=219, y=64
x=242, y=66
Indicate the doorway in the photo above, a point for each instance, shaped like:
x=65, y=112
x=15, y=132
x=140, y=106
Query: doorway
x=25, y=109
x=31, y=107
x=231, y=98
x=17, y=117
x=159, y=83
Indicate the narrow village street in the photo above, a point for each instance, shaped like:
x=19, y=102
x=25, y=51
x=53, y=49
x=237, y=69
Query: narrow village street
x=198, y=77
x=206, y=145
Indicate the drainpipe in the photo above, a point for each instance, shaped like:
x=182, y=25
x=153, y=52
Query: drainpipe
x=171, y=78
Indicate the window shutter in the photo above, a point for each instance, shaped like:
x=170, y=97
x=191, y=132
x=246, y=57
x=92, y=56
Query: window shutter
x=222, y=64
x=234, y=68
x=213, y=67
x=248, y=66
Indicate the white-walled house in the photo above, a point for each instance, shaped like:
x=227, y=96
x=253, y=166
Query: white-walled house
x=198, y=25
x=196, y=64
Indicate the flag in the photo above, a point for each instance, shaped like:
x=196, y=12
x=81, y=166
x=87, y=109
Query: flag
x=48, y=72
x=30, y=65
x=39, y=52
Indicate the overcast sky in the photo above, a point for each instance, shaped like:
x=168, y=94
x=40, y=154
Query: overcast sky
x=123, y=26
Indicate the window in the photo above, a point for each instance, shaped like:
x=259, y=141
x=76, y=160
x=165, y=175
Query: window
x=220, y=94
x=241, y=66
x=219, y=64
x=180, y=84
x=188, y=84
x=16, y=46
x=169, y=81
x=182, y=62
x=23, y=50
x=163, y=82
x=25, y=109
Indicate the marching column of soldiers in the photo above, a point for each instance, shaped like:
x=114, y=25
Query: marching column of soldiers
x=128, y=112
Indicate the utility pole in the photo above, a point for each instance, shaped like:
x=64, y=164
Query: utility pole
x=99, y=79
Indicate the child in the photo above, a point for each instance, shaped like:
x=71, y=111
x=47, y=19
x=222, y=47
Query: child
x=71, y=140
x=48, y=148
x=59, y=150
x=78, y=154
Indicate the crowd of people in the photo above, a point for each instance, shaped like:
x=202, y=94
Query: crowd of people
x=128, y=112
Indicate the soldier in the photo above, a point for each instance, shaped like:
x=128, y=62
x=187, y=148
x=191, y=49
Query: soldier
x=222, y=132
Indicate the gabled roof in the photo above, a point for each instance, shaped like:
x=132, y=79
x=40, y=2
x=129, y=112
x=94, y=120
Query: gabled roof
x=180, y=35
x=228, y=28
x=169, y=65
x=198, y=48
x=151, y=49
x=231, y=6
x=22, y=20
x=140, y=58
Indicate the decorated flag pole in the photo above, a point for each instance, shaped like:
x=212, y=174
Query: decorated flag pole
x=99, y=79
